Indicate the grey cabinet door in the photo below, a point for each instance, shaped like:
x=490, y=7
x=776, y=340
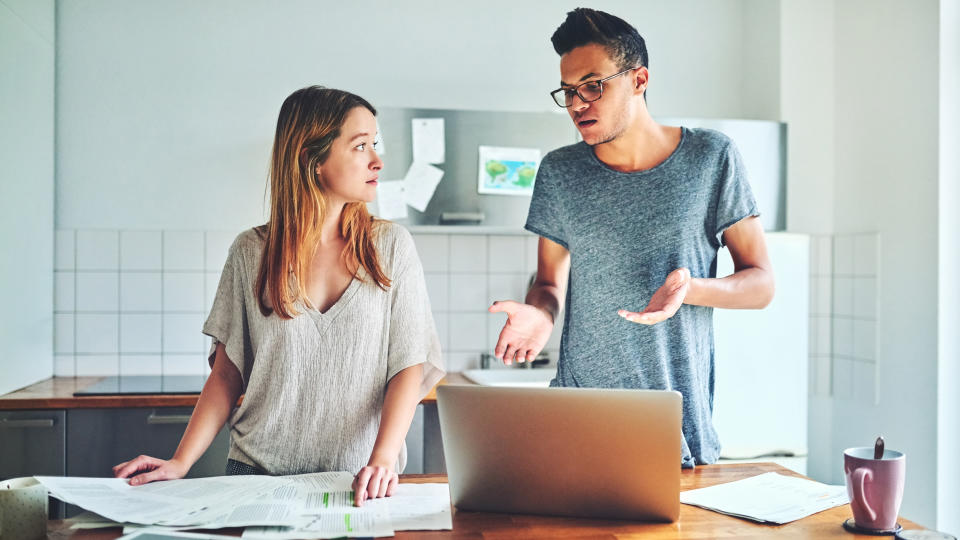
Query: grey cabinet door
x=98, y=439
x=32, y=443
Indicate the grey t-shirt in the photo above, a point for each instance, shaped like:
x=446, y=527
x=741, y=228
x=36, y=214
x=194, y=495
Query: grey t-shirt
x=314, y=384
x=625, y=233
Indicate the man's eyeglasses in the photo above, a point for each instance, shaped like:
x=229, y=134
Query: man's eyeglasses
x=588, y=91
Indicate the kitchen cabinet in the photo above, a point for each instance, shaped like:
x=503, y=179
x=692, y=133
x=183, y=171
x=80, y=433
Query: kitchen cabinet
x=33, y=443
x=98, y=439
x=89, y=442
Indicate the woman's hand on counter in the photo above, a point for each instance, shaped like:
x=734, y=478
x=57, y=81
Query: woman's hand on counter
x=150, y=469
x=373, y=482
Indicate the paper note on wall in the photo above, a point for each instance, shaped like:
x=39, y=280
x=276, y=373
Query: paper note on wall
x=390, y=201
x=428, y=143
x=419, y=184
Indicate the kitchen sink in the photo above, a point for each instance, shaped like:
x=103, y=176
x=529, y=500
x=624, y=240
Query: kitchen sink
x=511, y=377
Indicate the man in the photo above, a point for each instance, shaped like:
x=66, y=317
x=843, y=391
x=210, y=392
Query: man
x=634, y=216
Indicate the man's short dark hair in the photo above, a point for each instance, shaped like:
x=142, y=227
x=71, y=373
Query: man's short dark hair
x=585, y=26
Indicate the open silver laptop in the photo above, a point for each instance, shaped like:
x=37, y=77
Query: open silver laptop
x=563, y=451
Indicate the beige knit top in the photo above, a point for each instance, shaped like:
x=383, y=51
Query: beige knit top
x=314, y=385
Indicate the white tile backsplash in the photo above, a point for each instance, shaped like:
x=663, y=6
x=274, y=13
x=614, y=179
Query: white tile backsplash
x=438, y=289
x=462, y=361
x=843, y=255
x=842, y=337
x=434, y=251
x=64, y=292
x=98, y=291
x=865, y=340
x=468, y=292
x=843, y=296
x=101, y=364
x=442, y=322
x=97, y=333
x=212, y=282
x=842, y=378
x=140, y=333
x=64, y=365
x=63, y=333
x=468, y=253
x=182, y=333
x=183, y=291
x=140, y=291
x=824, y=335
x=507, y=254
x=141, y=250
x=865, y=297
x=183, y=364
x=183, y=250
x=532, y=253
x=64, y=257
x=825, y=256
x=216, y=247
x=468, y=332
x=141, y=364
x=98, y=250
x=824, y=369
x=506, y=287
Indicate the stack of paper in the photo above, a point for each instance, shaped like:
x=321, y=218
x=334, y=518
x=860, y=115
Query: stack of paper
x=316, y=505
x=768, y=497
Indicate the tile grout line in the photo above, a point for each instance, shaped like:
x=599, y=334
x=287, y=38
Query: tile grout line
x=119, y=301
x=75, y=323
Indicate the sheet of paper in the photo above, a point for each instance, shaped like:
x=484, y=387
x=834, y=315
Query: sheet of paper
x=390, y=201
x=418, y=507
x=768, y=497
x=164, y=534
x=428, y=144
x=335, y=518
x=223, y=501
x=419, y=184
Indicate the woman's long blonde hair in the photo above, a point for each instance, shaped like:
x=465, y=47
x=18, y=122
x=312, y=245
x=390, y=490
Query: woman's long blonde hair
x=310, y=120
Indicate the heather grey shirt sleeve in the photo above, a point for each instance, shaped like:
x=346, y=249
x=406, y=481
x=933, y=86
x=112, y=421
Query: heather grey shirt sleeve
x=546, y=216
x=735, y=199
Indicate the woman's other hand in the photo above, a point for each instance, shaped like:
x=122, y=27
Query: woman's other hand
x=373, y=482
x=149, y=469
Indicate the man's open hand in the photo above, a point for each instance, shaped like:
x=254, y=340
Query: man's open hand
x=665, y=302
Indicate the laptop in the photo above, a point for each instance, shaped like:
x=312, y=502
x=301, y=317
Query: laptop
x=580, y=452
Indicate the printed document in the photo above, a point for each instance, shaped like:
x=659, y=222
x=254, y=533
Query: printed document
x=768, y=497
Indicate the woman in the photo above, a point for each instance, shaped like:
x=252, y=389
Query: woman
x=321, y=319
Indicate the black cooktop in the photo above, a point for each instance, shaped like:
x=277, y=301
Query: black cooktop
x=145, y=385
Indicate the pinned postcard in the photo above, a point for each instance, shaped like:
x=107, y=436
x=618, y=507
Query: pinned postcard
x=507, y=171
x=390, y=202
x=419, y=184
x=428, y=143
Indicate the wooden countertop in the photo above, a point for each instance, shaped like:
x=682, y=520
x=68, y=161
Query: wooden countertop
x=694, y=522
x=57, y=393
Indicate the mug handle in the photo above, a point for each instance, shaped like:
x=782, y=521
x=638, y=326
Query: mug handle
x=859, y=477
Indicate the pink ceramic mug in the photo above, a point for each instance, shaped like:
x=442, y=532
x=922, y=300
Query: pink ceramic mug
x=875, y=486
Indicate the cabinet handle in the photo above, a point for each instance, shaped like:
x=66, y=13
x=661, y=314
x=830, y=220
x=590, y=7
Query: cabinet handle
x=38, y=422
x=155, y=418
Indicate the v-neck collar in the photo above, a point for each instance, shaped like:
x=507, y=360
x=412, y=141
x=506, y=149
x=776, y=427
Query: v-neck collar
x=324, y=318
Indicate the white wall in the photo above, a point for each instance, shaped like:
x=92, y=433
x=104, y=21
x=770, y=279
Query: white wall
x=166, y=110
x=948, y=407
x=886, y=134
x=26, y=191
